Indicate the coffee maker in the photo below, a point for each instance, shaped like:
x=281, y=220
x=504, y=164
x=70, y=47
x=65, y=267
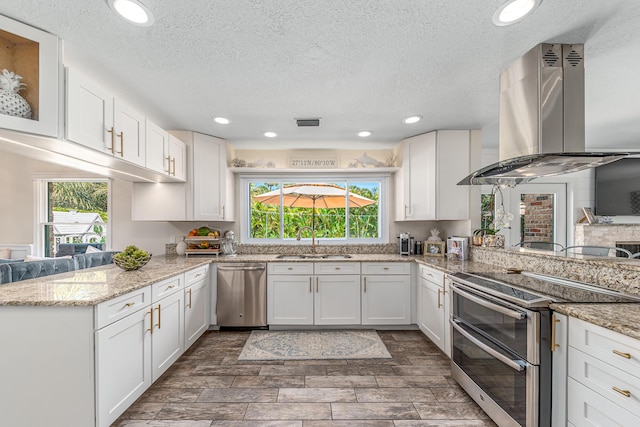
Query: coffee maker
x=404, y=244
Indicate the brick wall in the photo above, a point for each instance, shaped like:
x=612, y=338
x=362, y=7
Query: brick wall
x=538, y=217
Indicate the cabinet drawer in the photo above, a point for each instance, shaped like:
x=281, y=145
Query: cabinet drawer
x=290, y=268
x=611, y=347
x=386, y=268
x=602, y=378
x=431, y=274
x=166, y=287
x=336, y=268
x=195, y=275
x=587, y=408
x=117, y=308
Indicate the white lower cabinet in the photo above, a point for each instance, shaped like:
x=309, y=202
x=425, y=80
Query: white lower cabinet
x=197, y=304
x=603, y=387
x=560, y=351
x=297, y=296
x=289, y=299
x=337, y=300
x=167, y=338
x=386, y=293
x=433, y=307
x=123, y=365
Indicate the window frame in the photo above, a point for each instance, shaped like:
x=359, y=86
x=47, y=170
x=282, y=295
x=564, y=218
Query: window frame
x=384, y=199
x=41, y=211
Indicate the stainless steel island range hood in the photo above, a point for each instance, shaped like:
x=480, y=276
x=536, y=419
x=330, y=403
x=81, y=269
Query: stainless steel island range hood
x=541, y=119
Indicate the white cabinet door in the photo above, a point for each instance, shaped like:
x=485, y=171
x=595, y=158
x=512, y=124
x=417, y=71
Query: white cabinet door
x=168, y=333
x=209, y=178
x=289, y=300
x=130, y=133
x=559, y=347
x=452, y=200
x=431, y=309
x=178, y=158
x=123, y=364
x=337, y=300
x=417, y=186
x=197, y=311
x=89, y=113
x=386, y=300
x=585, y=407
x=157, y=148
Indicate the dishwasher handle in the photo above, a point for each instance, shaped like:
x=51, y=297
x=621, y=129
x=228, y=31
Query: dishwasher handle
x=241, y=268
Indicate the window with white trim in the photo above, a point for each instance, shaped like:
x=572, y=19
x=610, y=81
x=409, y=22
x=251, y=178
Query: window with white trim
x=72, y=212
x=349, y=210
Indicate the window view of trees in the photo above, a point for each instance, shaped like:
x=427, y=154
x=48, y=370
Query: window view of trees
x=77, y=212
x=337, y=210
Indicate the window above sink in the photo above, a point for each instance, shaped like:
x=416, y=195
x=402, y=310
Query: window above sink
x=340, y=209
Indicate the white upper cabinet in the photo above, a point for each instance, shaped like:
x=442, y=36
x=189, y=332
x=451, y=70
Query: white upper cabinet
x=177, y=158
x=212, y=182
x=99, y=121
x=165, y=153
x=33, y=55
x=432, y=165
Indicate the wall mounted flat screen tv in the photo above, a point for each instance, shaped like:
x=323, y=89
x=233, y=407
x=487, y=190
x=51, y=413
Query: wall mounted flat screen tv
x=618, y=188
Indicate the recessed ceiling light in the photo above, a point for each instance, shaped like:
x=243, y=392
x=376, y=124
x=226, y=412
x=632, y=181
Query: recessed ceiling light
x=132, y=11
x=270, y=134
x=514, y=11
x=222, y=120
x=364, y=133
x=412, y=119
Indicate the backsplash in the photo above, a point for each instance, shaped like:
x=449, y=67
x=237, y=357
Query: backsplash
x=609, y=272
x=383, y=248
x=607, y=234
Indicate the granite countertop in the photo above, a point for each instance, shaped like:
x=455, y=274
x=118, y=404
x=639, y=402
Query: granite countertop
x=622, y=318
x=92, y=286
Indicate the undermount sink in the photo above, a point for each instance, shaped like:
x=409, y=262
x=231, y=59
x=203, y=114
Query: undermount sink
x=313, y=256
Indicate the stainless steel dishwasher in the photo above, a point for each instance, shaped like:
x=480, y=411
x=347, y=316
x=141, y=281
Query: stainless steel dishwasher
x=242, y=295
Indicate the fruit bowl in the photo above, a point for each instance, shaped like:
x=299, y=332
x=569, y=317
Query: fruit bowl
x=131, y=258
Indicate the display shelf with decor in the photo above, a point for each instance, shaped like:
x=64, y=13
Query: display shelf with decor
x=29, y=71
x=203, y=240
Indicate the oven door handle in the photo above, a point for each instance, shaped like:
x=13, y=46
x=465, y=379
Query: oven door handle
x=504, y=310
x=516, y=365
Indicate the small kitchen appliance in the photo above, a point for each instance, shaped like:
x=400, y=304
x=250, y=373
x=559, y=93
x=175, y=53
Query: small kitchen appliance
x=229, y=243
x=404, y=244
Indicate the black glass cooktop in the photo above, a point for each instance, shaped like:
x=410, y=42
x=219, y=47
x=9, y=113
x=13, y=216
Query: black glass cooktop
x=537, y=290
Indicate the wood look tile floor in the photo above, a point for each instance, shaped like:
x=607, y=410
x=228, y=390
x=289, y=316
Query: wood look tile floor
x=209, y=387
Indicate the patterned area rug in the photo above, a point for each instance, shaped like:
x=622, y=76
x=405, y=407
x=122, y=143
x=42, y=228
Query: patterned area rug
x=304, y=345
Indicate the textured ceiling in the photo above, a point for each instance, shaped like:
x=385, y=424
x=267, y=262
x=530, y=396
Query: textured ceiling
x=357, y=64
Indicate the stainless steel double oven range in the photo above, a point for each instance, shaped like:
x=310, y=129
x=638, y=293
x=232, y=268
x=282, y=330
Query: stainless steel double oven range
x=502, y=340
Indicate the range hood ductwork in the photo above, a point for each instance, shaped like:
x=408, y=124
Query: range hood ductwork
x=542, y=121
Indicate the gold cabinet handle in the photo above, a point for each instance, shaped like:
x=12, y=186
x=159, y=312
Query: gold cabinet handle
x=619, y=353
x=291, y=268
x=168, y=170
x=150, y=321
x=625, y=393
x=554, y=320
x=385, y=268
x=316, y=285
x=111, y=131
x=222, y=211
x=365, y=284
x=173, y=162
x=129, y=304
x=337, y=268
x=439, y=303
x=121, y=136
x=189, y=306
x=158, y=324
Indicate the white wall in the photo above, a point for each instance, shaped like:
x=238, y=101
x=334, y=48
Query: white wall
x=17, y=206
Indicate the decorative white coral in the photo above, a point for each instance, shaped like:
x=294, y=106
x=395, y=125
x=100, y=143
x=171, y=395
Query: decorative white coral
x=435, y=235
x=11, y=81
